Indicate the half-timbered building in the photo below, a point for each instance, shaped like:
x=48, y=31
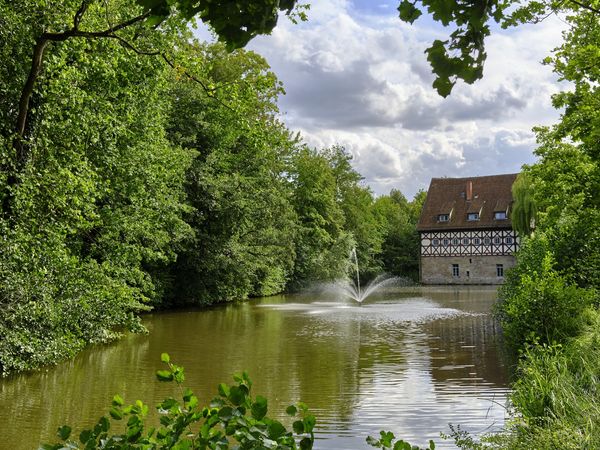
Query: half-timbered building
x=466, y=231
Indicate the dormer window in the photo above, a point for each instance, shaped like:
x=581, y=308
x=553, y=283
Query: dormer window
x=443, y=217
x=473, y=216
x=500, y=215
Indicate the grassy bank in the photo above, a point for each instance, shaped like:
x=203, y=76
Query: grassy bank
x=557, y=396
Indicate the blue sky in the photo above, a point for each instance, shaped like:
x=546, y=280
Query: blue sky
x=357, y=76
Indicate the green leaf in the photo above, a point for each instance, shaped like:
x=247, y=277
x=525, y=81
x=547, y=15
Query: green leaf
x=291, y=410
x=443, y=85
x=164, y=357
x=117, y=400
x=168, y=403
x=103, y=425
x=225, y=413
x=306, y=444
x=85, y=436
x=116, y=413
x=402, y=445
x=309, y=423
x=64, y=432
x=237, y=395
x=223, y=390
x=298, y=427
x=408, y=12
x=259, y=407
x=164, y=375
x=275, y=430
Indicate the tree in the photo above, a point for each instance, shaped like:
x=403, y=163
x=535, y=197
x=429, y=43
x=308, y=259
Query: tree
x=242, y=217
x=323, y=245
x=356, y=202
x=398, y=220
x=99, y=203
x=524, y=208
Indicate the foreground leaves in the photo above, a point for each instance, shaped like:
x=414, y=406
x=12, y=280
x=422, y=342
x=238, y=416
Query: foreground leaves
x=232, y=420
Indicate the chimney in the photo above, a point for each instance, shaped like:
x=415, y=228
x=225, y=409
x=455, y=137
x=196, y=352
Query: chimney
x=469, y=191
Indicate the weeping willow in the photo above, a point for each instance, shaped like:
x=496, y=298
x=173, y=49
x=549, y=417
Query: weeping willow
x=524, y=209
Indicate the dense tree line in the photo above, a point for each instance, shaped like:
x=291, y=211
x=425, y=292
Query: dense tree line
x=152, y=171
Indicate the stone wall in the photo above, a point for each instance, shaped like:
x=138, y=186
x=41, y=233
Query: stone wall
x=472, y=269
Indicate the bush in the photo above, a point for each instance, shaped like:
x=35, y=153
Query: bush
x=537, y=304
x=232, y=420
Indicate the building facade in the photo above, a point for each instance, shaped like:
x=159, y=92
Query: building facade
x=466, y=230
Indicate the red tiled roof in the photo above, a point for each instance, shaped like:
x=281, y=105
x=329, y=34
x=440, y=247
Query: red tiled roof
x=489, y=194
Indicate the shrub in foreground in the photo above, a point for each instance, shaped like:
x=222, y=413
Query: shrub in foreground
x=232, y=420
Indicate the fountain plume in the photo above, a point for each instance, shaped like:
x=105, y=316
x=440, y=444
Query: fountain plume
x=352, y=289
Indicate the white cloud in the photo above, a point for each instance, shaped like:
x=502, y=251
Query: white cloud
x=360, y=78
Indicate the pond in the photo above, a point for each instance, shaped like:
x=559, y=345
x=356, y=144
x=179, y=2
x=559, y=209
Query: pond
x=409, y=360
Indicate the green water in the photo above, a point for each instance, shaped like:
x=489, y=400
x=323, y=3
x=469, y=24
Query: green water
x=410, y=360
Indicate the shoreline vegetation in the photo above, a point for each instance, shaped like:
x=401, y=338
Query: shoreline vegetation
x=160, y=182
x=134, y=157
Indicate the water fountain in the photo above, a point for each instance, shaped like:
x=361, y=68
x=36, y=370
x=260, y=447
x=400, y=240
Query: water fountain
x=352, y=289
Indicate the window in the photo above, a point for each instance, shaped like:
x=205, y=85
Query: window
x=487, y=241
x=500, y=215
x=499, y=270
x=476, y=241
x=443, y=217
x=435, y=242
x=465, y=241
x=508, y=240
x=473, y=216
x=497, y=240
x=455, y=270
x=455, y=241
x=446, y=242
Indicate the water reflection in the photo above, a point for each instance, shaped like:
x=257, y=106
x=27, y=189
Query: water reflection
x=410, y=360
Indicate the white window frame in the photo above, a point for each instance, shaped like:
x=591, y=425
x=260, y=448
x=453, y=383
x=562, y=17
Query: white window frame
x=500, y=270
x=455, y=270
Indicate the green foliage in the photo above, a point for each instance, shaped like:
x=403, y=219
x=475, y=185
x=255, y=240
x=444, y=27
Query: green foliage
x=556, y=394
x=323, y=245
x=463, y=54
x=537, y=304
x=234, y=419
x=397, y=218
x=549, y=302
x=388, y=440
x=242, y=215
x=524, y=208
x=233, y=21
x=98, y=205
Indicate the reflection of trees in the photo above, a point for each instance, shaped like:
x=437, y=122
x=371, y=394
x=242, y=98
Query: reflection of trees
x=78, y=392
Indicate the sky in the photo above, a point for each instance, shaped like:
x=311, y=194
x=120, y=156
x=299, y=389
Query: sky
x=355, y=75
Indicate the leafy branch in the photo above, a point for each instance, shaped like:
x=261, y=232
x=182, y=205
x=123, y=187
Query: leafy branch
x=232, y=420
